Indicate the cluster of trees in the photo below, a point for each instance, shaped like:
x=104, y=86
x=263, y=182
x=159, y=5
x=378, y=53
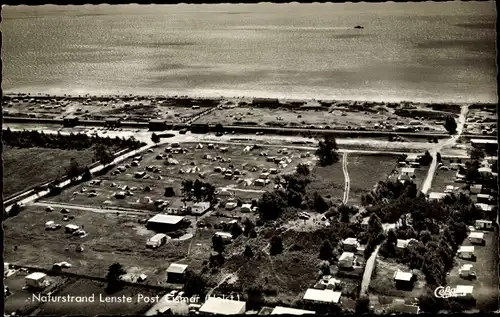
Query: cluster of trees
x=426, y=159
x=291, y=195
x=194, y=284
x=201, y=191
x=327, y=151
x=375, y=235
x=438, y=228
x=80, y=141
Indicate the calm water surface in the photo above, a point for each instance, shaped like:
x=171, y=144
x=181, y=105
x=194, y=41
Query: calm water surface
x=407, y=51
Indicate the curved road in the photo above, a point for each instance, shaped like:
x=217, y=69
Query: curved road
x=438, y=147
x=347, y=186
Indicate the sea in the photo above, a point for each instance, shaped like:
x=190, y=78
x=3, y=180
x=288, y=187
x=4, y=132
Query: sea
x=423, y=52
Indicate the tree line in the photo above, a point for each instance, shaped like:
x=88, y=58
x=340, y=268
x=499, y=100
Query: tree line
x=78, y=141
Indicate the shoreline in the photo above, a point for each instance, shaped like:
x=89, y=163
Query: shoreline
x=125, y=97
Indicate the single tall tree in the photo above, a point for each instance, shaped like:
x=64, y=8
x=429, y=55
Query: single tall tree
x=450, y=125
x=276, y=245
x=218, y=244
x=115, y=272
x=326, y=251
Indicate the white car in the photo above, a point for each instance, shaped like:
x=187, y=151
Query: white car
x=49, y=209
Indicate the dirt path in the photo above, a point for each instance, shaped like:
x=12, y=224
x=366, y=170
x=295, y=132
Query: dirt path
x=446, y=144
x=347, y=186
x=227, y=277
x=367, y=275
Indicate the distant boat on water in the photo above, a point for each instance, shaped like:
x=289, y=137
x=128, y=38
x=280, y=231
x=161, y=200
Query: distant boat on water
x=359, y=27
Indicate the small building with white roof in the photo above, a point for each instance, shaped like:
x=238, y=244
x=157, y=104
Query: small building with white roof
x=485, y=171
x=449, y=189
x=434, y=196
x=484, y=207
x=230, y=205
x=476, y=188
x=246, y=208
x=477, y=238
x=406, y=173
x=222, y=306
x=163, y=222
x=484, y=224
x=403, y=244
x=350, y=244
x=466, y=252
x=156, y=241
x=484, y=198
x=403, y=280
x=280, y=310
x=322, y=296
x=347, y=260
x=176, y=272
x=466, y=270
x=36, y=280
x=226, y=236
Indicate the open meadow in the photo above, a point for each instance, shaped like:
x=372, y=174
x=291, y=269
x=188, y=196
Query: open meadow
x=28, y=167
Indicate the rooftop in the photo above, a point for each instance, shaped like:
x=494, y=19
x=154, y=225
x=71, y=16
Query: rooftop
x=402, y=243
x=466, y=267
x=407, y=170
x=346, y=255
x=177, y=268
x=352, y=241
x=483, y=141
x=484, y=207
x=166, y=219
x=224, y=234
x=280, y=310
x=435, y=195
x=466, y=249
x=403, y=276
x=484, y=221
x=476, y=235
x=36, y=276
x=157, y=237
x=464, y=289
x=326, y=296
x=221, y=306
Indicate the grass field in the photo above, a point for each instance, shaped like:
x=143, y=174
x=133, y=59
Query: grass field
x=24, y=168
x=110, y=239
x=382, y=290
x=486, y=265
x=367, y=170
x=328, y=181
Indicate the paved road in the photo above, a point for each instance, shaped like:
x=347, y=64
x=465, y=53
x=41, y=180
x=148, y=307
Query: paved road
x=347, y=186
x=367, y=275
x=91, y=209
x=438, y=147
